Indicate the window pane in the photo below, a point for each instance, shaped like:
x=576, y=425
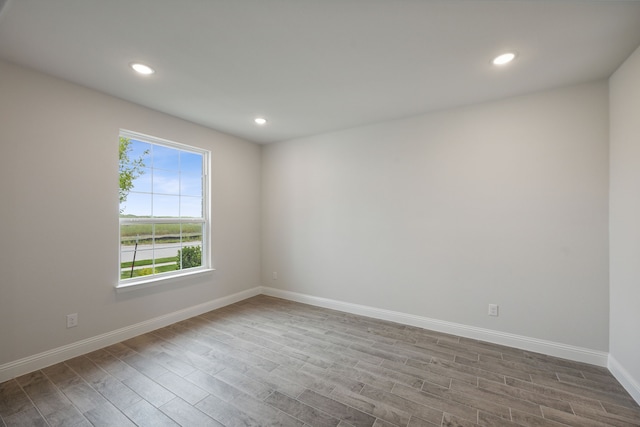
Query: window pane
x=191, y=162
x=140, y=150
x=192, y=233
x=167, y=245
x=191, y=252
x=191, y=207
x=142, y=266
x=166, y=182
x=136, y=204
x=142, y=184
x=167, y=233
x=191, y=256
x=130, y=233
x=166, y=206
x=166, y=158
x=142, y=253
x=191, y=184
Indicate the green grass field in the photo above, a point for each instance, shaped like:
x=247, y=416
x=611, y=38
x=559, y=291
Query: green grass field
x=164, y=233
x=147, y=271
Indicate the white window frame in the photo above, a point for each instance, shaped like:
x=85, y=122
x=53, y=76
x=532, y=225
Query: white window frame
x=158, y=278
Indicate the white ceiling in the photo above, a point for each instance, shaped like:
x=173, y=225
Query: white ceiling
x=312, y=66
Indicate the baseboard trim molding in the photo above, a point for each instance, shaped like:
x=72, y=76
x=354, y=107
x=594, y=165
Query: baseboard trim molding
x=42, y=360
x=550, y=348
x=625, y=378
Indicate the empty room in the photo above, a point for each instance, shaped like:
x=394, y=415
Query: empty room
x=329, y=213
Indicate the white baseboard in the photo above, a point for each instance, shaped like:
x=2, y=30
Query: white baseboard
x=57, y=355
x=42, y=360
x=550, y=348
x=624, y=377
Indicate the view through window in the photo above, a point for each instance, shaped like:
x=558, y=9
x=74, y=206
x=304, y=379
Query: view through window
x=163, y=208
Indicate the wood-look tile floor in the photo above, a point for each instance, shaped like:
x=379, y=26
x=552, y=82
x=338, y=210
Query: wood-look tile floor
x=270, y=362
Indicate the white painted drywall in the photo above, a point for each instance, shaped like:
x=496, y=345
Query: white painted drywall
x=625, y=221
x=441, y=214
x=59, y=214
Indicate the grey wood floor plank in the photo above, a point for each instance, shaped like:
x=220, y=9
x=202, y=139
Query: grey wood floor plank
x=276, y=382
x=13, y=399
x=598, y=394
x=555, y=393
x=182, y=388
x=470, y=399
x=334, y=378
x=364, y=377
x=244, y=383
x=271, y=362
x=337, y=409
x=450, y=420
x=392, y=375
x=149, y=390
x=487, y=419
x=306, y=380
x=495, y=398
x=418, y=422
x=84, y=397
x=457, y=370
x=27, y=418
x=303, y=412
x=400, y=403
x=145, y=414
x=213, y=385
x=107, y=415
x=541, y=399
x=570, y=419
x=526, y=419
x=267, y=414
x=57, y=409
x=623, y=411
x=382, y=423
x=225, y=413
x=187, y=415
x=493, y=366
x=432, y=401
x=604, y=416
x=423, y=374
x=376, y=408
x=36, y=383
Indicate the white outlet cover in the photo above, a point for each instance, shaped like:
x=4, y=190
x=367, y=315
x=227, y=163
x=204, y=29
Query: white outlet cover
x=493, y=309
x=72, y=320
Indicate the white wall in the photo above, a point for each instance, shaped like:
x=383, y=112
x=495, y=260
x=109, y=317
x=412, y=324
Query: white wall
x=436, y=215
x=59, y=214
x=625, y=223
x=442, y=214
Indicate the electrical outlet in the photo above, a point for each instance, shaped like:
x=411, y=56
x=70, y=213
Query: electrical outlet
x=72, y=320
x=493, y=310
x=275, y=275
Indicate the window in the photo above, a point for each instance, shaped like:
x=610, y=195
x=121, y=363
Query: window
x=164, y=224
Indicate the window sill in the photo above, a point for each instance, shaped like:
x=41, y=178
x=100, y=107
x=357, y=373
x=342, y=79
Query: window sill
x=142, y=284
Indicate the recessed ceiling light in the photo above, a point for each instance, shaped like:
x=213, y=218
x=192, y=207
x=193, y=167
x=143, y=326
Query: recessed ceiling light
x=503, y=59
x=260, y=121
x=142, y=68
